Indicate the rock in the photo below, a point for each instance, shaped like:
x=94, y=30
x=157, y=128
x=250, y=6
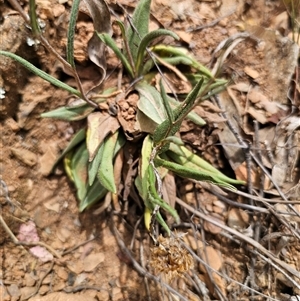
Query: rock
x=52, y=205
x=4, y=296
x=43, y=289
x=61, y=273
x=48, y=159
x=14, y=291
x=237, y=218
x=24, y=155
x=75, y=267
x=212, y=257
x=29, y=280
x=12, y=124
x=26, y=292
x=59, y=296
x=103, y=295
x=214, y=229
x=92, y=261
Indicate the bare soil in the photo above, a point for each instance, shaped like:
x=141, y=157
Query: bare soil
x=90, y=262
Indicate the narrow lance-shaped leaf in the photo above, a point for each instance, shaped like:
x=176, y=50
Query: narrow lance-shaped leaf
x=79, y=170
x=94, y=194
x=97, y=191
x=144, y=165
x=106, y=169
x=70, y=113
x=171, y=51
x=204, y=167
x=192, y=116
x=166, y=102
x=76, y=139
x=109, y=41
x=147, y=39
x=140, y=20
x=71, y=32
x=126, y=45
x=186, y=172
x=168, y=128
x=150, y=102
x=41, y=73
x=94, y=165
x=156, y=198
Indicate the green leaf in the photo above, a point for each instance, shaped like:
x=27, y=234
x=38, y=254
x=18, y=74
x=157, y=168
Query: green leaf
x=94, y=165
x=140, y=20
x=70, y=113
x=166, y=102
x=109, y=41
x=71, y=32
x=187, y=172
x=94, y=194
x=192, y=161
x=41, y=73
x=168, y=128
x=76, y=139
x=144, y=166
x=155, y=198
x=147, y=39
x=165, y=51
x=106, y=169
x=79, y=170
x=150, y=102
x=120, y=143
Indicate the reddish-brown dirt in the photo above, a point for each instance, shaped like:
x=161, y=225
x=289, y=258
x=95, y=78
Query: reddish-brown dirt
x=88, y=262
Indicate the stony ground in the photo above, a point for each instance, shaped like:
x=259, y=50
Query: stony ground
x=90, y=249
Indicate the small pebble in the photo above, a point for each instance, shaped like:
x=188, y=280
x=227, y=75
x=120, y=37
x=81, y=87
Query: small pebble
x=62, y=274
x=14, y=291
x=27, y=291
x=28, y=280
x=44, y=289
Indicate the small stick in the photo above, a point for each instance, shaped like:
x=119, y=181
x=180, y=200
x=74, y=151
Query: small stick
x=7, y=229
x=40, y=282
x=211, y=24
x=77, y=246
x=23, y=243
x=39, y=243
x=139, y=268
x=241, y=236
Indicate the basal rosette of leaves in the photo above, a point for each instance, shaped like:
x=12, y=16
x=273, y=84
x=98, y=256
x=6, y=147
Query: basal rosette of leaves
x=91, y=158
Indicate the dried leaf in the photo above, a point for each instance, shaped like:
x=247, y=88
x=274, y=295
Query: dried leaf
x=100, y=14
x=169, y=189
x=251, y=72
x=99, y=126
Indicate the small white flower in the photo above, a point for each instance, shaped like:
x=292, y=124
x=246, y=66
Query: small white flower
x=2, y=93
x=31, y=42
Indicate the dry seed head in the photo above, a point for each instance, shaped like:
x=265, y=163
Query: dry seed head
x=170, y=257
